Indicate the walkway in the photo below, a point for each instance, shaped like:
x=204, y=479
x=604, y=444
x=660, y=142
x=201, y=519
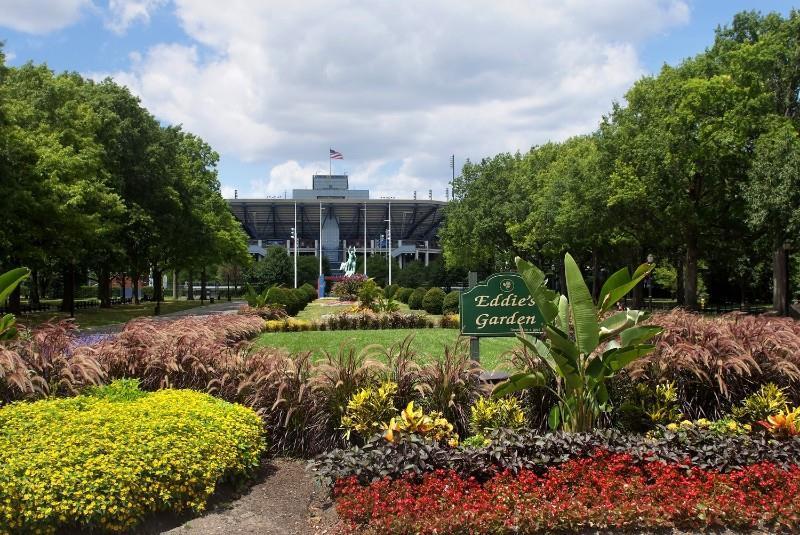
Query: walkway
x=220, y=307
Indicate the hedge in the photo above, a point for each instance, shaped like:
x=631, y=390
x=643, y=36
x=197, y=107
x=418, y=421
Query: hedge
x=433, y=300
x=103, y=462
x=402, y=294
x=451, y=302
x=415, y=299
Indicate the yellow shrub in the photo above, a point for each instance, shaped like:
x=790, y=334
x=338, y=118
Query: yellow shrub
x=95, y=463
x=368, y=408
x=288, y=325
x=488, y=414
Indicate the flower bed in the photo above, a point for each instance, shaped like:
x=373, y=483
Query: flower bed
x=604, y=491
x=104, y=461
x=523, y=450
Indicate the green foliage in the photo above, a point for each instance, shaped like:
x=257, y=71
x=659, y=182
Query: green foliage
x=8, y=283
x=403, y=294
x=433, y=300
x=582, y=390
x=104, y=463
x=768, y=401
x=475, y=441
x=648, y=407
x=368, y=408
x=310, y=291
x=390, y=290
x=489, y=414
x=416, y=297
x=118, y=390
x=274, y=269
x=386, y=305
x=308, y=269
x=451, y=302
x=368, y=294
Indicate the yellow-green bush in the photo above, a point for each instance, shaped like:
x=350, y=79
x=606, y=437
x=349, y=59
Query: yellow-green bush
x=368, y=408
x=488, y=414
x=288, y=325
x=104, y=462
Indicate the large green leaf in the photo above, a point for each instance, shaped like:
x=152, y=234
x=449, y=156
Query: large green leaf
x=613, y=325
x=554, y=418
x=614, y=281
x=534, y=279
x=621, y=291
x=518, y=382
x=618, y=358
x=10, y=280
x=558, y=339
x=558, y=363
x=638, y=335
x=563, y=313
x=584, y=314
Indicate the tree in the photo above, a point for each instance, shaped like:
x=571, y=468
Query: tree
x=275, y=269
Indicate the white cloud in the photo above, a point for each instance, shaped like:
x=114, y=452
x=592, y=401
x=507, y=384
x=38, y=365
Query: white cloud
x=41, y=16
x=396, y=87
x=123, y=13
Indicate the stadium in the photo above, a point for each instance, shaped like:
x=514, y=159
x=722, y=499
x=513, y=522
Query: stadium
x=330, y=218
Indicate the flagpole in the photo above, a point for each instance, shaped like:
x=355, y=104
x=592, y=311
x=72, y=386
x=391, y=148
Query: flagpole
x=329, y=163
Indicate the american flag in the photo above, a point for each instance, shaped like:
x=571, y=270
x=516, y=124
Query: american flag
x=336, y=155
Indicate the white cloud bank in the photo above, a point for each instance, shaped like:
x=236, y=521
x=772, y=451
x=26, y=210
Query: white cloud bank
x=41, y=16
x=398, y=83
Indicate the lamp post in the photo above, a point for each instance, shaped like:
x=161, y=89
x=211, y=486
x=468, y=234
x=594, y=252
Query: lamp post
x=294, y=237
x=365, y=239
x=389, y=242
x=650, y=260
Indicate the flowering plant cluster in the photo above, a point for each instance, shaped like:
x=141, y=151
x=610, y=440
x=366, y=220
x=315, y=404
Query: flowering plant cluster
x=604, y=491
x=102, y=462
x=367, y=319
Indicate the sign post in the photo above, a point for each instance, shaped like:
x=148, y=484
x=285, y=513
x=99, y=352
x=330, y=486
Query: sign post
x=474, y=341
x=499, y=306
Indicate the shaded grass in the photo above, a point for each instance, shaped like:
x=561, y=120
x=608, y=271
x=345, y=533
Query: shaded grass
x=428, y=342
x=94, y=317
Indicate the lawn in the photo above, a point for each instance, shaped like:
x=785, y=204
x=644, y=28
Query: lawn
x=95, y=317
x=429, y=342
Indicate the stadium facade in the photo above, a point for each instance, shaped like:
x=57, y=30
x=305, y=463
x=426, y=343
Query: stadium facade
x=330, y=218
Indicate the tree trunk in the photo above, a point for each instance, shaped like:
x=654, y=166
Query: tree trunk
x=158, y=289
x=679, y=281
x=34, y=282
x=135, y=286
x=690, y=282
x=203, y=286
x=190, y=288
x=104, y=287
x=562, y=277
x=595, y=275
x=14, y=304
x=780, y=280
x=68, y=298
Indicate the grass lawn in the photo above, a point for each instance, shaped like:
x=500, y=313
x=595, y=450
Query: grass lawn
x=429, y=342
x=94, y=317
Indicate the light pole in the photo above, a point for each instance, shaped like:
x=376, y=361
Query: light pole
x=294, y=236
x=365, y=239
x=650, y=260
x=389, y=242
x=320, y=240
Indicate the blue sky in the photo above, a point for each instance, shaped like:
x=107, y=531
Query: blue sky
x=272, y=85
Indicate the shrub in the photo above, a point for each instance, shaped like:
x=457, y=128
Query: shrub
x=45, y=363
x=390, y=291
x=450, y=321
x=366, y=319
x=368, y=408
x=768, y=401
x=369, y=294
x=415, y=299
x=288, y=325
x=432, y=301
x=718, y=361
x=453, y=383
x=450, y=303
x=403, y=294
x=348, y=287
x=488, y=414
x=103, y=463
x=607, y=492
x=415, y=422
x=310, y=291
x=265, y=312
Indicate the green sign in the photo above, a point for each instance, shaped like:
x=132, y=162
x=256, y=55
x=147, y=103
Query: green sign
x=499, y=306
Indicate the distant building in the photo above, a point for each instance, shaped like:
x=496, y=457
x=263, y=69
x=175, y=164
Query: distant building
x=348, y=218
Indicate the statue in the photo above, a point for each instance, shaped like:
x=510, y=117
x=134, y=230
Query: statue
x=349, y=266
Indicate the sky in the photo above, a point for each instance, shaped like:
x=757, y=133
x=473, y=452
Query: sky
x=395, y=86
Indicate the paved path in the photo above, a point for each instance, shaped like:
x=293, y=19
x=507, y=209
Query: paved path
x=283, y=501
x=220, y=307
